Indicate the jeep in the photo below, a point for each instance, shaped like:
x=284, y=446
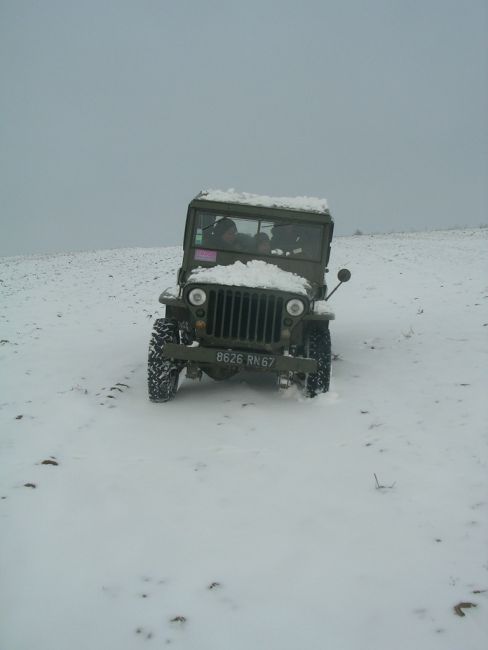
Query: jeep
x=251, y=293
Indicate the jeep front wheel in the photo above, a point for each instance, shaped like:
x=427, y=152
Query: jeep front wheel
x=317, y=346
x=162, y=373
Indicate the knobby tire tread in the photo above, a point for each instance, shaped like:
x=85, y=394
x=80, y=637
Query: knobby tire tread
x=162, y=374
x=319, y=348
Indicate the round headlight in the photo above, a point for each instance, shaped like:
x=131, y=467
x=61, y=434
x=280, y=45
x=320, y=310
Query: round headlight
x=197, y=297
x=295, y=307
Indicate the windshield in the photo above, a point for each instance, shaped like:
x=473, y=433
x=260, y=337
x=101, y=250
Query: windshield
x=256, y=237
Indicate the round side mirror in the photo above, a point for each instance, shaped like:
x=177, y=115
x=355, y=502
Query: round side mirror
x=344, y=275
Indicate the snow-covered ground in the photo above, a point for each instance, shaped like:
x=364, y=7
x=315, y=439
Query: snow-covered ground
x=238, y=517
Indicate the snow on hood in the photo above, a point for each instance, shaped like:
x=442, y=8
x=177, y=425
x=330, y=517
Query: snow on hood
x=306, y=203
x=256, y=274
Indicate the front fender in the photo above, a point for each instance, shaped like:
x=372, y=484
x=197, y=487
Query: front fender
x=171, y=298
x=318, y=317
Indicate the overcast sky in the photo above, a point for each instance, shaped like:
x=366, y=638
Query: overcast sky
x=114, y=114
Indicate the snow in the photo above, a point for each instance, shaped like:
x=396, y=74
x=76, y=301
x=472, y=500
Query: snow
x=305, y=203
x=264, y=496
x=255, y=273
x=322, y=308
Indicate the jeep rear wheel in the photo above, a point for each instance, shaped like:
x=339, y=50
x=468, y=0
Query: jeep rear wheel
x=162, y=374
x=317, y=346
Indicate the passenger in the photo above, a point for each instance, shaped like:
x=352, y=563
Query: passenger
x=262, y=243
x=244, y=243
x=284, y=237
x=224, y=234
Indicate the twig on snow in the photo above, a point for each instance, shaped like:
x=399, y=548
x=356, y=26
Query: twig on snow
x=458, y=609
x=383, y=487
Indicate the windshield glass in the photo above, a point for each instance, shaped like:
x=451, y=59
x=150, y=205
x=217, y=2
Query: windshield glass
x=257, y=237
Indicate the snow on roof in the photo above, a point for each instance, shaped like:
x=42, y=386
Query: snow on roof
x=255, y=273
x=305, y=203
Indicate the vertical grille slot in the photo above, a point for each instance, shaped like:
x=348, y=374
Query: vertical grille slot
x=244, y=316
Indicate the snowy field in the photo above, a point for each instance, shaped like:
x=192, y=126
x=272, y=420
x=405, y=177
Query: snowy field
x=238, y=517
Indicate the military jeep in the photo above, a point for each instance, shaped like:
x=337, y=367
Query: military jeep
x=251, y=294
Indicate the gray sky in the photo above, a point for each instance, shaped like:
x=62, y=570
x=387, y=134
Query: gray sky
x=114, y=114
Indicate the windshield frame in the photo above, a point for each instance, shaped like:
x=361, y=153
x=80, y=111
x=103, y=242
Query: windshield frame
x=297, y=255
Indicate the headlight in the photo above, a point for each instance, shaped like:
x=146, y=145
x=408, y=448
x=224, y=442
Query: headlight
x=295, y=307
x=197, y=297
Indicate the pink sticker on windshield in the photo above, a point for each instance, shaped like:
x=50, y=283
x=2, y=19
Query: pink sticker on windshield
x=204, y=255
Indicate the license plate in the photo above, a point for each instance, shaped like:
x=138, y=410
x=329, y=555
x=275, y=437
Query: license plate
x=245, y=359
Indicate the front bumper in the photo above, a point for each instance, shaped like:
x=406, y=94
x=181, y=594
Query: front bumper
x=198, y=355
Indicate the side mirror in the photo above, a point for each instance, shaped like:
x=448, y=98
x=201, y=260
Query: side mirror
x=343, y=276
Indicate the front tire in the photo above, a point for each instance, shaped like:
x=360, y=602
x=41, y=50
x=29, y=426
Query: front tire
x=162, y=374
x=317, y=346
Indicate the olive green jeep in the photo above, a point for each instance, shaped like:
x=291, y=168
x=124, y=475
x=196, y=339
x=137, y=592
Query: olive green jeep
x=251, y=293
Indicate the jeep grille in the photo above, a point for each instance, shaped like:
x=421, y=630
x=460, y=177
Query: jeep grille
x=244, y=315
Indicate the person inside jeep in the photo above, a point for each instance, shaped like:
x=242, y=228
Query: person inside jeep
x=224, y=234
x=262, y=243
x=292, y=239
x=284, y=237
x=309, y=244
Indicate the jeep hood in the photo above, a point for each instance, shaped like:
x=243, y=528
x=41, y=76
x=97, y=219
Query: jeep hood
x=255, y=274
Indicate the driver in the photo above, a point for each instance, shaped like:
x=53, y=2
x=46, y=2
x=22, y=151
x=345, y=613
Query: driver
x=295, y=240
x=284, y=237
